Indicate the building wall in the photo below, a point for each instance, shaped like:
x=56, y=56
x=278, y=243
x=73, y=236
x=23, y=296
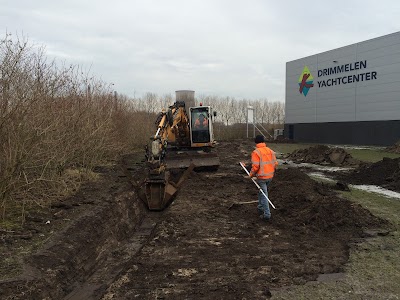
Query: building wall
x=380, y=133
x=353, y=84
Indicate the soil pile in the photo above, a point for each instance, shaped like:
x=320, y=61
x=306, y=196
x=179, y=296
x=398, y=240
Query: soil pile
x=312, y=206
x=395, y=148
x=384, y=173
x=281, y=139
x=322, y=154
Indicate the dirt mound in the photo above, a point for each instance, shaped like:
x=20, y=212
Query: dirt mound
x=312, y=206
x=321, y=154
x=385, y=173
x=282, y=140
x=394, y=149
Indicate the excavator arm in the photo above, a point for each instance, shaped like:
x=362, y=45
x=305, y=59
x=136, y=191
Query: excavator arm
x=172, y=130
x=175, y=145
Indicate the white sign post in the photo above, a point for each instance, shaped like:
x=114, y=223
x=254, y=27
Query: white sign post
x=250, y=120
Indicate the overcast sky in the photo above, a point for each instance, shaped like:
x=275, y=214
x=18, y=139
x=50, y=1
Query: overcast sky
x=214, y=47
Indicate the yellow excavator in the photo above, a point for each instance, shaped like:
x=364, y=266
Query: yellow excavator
x=184, y=139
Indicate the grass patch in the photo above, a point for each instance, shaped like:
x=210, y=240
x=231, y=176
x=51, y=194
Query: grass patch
x=373, y=270
x=371, y=155
x=386, y=208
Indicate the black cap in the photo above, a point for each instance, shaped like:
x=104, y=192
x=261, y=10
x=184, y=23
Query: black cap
x=259, y=139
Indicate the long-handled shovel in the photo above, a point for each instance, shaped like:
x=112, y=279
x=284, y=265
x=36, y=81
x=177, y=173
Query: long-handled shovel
x=235, y=204
x=259, y=188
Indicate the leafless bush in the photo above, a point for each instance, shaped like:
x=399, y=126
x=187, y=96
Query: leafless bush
x=53, y=119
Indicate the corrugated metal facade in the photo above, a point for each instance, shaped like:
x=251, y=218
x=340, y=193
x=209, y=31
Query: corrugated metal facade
x=357, y=85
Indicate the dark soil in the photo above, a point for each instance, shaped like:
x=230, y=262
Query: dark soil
x=384, y=173
x=322, y=154
x=394, y=148
x=281, y=140
x=103, y=244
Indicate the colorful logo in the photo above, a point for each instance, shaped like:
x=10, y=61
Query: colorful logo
x=305, y=81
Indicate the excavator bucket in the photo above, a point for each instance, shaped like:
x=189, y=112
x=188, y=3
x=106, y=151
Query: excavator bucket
x=200, y=159
x=159, y=190
x=158, y=193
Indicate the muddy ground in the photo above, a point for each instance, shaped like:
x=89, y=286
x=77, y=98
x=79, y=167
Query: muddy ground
x=394, y=148
x=322, y=154
x=103, y=243
x=384, y=173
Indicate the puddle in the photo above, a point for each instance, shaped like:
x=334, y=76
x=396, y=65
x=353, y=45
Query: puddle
x=377, y=189
x=353, y=147
x=290, y=163
x=368, y=188
x=364, y=187
x=321, y=176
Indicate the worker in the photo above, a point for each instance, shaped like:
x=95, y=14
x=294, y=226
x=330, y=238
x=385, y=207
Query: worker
x=201, y=122
x=264, y=165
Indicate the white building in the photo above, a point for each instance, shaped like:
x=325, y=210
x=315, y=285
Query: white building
x=349, y=95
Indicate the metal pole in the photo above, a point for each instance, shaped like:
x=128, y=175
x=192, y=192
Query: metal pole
x=247, y=123
x=259, y=188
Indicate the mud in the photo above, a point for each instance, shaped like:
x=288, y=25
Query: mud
x=103, y=244
x=75, y=238
x=322, y=154
x=282, y=140
x=384, y=173
x=394, y=148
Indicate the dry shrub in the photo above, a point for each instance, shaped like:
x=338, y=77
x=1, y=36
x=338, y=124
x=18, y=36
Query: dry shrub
x=134, y=128
x=54, y=119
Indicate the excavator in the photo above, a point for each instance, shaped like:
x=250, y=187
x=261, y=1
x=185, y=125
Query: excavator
x=183, y=140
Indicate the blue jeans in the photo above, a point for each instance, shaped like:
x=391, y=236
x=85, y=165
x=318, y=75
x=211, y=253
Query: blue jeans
x=263, y=205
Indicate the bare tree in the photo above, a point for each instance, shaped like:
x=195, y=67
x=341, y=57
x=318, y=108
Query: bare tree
x=150, y=102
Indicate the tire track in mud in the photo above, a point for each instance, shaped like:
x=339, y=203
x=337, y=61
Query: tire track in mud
x=116, y=262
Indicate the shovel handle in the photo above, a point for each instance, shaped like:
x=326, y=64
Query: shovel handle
x=259, y=188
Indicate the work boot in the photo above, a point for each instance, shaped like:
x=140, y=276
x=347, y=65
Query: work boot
x=264, y=218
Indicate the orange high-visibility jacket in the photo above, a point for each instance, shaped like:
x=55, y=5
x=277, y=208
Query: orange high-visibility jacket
x=199, y=124
x=263, y=161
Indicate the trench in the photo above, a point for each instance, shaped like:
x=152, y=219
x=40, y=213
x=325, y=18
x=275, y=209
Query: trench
x=116, y=261
x=80, y=261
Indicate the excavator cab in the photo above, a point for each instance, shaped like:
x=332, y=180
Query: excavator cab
x=201, y=134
